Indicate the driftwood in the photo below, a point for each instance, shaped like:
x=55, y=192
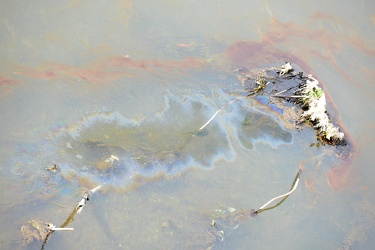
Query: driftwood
x=41, y=231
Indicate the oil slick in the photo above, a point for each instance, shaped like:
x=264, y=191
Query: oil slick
x=109, y=149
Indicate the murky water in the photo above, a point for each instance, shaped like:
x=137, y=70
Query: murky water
x=114, y=92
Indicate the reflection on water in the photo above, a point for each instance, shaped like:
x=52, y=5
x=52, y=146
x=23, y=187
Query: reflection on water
x=117, y=97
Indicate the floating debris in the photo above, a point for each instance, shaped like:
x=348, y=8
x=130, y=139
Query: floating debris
x=314, y=101
x=302, y=102
x=85, y=197
x=52, y=227
x=34, y=230
x=221, y=223
x=298, y=99
x=112, y=159
x=284, y=196
x=286, y=69
x=54, y=169
x=41, y=231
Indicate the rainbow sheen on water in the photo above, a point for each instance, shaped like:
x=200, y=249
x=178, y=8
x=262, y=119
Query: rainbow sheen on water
x=107, y=148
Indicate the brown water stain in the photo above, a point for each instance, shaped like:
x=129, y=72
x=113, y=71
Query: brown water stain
x=345, y=31
x=7, y=85
x=303, y=44
x=341, y=176
x=267, y=51
x=7, y=81
x=108, y=69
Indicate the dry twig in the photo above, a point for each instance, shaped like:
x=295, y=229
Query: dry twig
x=77, y=210
x=284, y=196
x=217, y=112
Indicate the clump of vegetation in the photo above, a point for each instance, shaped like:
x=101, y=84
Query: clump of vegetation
x=299, y=98
x=285, y=69
x=313, y=101
x=261, y=84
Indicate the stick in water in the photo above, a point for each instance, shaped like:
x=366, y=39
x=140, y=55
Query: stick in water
x=77, y=210
x=284, y=196
x=85, y=198
x=217, y=112
x=52, y=227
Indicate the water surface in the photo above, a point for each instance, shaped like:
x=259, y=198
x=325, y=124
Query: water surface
x=81, y=82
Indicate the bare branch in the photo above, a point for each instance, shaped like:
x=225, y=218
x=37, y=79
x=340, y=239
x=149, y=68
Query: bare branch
x=217, y=112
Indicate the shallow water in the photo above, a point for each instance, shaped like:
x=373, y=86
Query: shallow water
x=82, y=83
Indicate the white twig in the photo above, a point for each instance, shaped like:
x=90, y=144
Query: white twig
x=291, y=96
x=85, y=198
x=62, y=229
x=285, y=69
x=217, y=112
x=81, y=204
x=96, y=188
x=54, y=228
x=282, y=91
x=281, y=196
